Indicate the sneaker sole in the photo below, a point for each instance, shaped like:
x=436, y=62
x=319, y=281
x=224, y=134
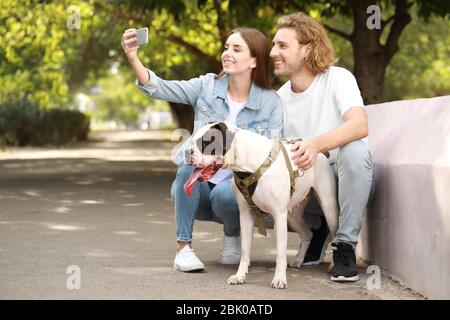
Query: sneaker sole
x=345, y=279
x=199, y=269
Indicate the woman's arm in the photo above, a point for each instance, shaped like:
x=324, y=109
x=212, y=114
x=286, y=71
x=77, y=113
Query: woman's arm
x=129, y=46
x=184, y=92
x=275, y=128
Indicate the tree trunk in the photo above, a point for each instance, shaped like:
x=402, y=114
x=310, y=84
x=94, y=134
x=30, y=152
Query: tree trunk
x=369, y=71
x=183, y=115
x=370, y=56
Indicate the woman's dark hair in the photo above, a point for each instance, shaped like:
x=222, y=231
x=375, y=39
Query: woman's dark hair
x=257, y=42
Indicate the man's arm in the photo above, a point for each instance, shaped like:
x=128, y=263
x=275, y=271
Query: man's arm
x=355, y=127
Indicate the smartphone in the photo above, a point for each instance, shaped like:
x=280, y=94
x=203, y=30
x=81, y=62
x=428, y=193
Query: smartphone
x=142, y=36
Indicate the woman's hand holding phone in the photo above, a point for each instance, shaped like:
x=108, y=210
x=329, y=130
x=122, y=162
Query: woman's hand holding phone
x=129, y=43
x=129, y=46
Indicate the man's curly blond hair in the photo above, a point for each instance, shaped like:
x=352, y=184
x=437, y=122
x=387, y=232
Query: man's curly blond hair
x=308, y=30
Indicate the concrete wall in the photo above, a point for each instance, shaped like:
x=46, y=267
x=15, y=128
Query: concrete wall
x=407, y=227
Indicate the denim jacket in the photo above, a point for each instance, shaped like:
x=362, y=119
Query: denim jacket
x=262, y=113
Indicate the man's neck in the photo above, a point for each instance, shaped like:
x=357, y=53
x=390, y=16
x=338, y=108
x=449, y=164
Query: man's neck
x=239, y=87
x=301, y=80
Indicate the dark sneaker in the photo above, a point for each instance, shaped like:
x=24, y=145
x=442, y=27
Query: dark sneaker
x=344, y=263
x=316, y=251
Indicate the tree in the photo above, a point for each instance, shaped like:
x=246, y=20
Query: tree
x=43, y=60
x=422, y=67
x=373, y=49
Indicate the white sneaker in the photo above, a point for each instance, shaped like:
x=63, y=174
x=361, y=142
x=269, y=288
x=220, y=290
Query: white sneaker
x=231, y=252
x=187, y=261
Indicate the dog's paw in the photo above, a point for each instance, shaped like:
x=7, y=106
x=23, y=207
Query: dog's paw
x=236, y=279
x=296, y=264
x=279, y=283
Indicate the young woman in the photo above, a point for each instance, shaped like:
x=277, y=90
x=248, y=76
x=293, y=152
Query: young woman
x=241, y=95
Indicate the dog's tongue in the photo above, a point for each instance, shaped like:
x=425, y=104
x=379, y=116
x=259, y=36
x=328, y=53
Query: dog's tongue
x=192, y=181
x=202, y=174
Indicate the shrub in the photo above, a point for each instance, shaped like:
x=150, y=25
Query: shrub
x=19, y=121
x=22, y=123
x=60, y=126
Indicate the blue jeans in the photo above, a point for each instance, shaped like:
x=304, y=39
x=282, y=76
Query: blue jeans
x=208, y=203
x=354, y=174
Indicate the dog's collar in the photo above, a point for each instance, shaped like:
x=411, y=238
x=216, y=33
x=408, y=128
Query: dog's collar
x=246, y=183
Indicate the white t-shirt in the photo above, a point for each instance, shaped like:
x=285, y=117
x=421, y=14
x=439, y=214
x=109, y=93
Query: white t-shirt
x=320, y=108
x=234, y=109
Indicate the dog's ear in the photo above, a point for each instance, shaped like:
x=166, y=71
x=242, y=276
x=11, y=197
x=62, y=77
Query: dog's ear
x=221, y=126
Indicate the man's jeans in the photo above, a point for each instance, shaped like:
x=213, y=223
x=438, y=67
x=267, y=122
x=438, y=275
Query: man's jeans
x=354, y=173
x=208, y=204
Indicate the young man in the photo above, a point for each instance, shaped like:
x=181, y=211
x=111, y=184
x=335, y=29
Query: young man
x=323, y=105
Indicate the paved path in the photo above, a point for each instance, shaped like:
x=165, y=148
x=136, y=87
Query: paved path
x=104, y=206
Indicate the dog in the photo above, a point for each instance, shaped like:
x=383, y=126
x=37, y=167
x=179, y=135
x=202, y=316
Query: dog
x=218, y=145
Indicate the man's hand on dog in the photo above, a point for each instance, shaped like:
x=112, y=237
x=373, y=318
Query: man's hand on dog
x=305, y=153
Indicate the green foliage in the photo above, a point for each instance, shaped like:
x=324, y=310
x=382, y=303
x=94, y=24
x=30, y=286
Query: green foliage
x=41, y=58
x=61, y=126
x=23, y=123
x=120, y=100
x=202, y=24
x=46, y=63
x=421, y=68
x=426, y=8
x=197, y=29
x=18, y=122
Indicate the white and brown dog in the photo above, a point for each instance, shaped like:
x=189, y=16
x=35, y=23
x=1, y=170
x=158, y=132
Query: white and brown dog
x=218, y=146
